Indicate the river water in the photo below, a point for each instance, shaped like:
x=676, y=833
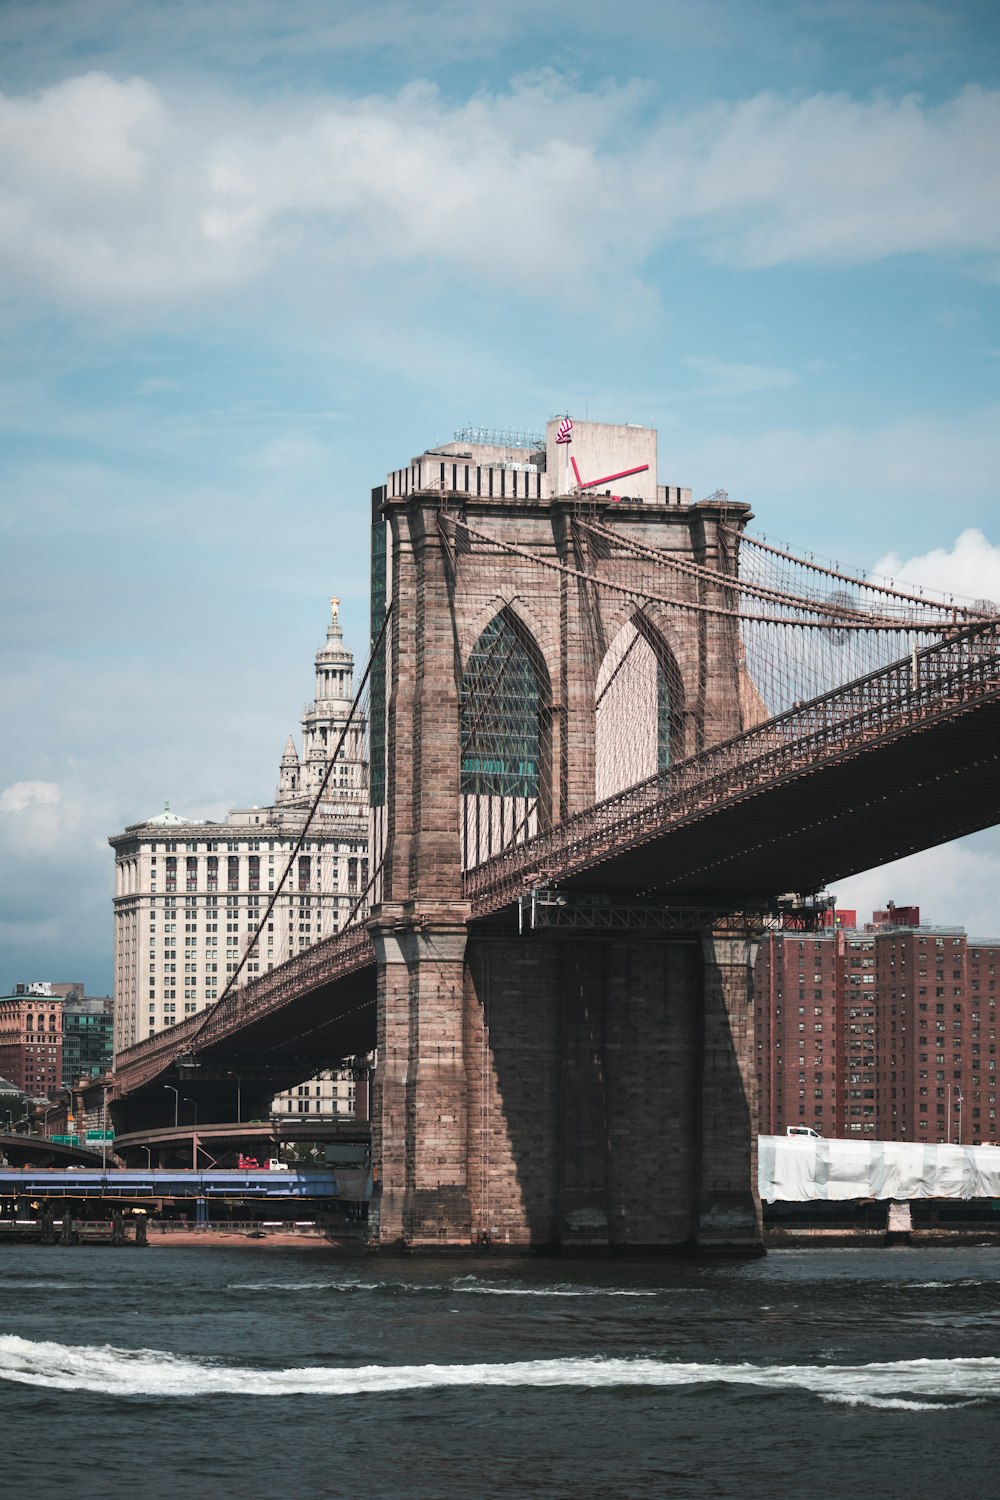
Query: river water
x=264, y=1372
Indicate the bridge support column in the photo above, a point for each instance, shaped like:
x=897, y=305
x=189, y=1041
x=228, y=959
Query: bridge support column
x=729, y=1213
x=420, y=1130
x=584, y=1065
x=583, y=1196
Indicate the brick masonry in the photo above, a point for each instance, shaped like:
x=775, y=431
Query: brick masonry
x=580, y=1093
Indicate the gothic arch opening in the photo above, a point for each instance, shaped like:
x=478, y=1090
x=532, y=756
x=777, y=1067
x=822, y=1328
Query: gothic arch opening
x=639, y=709
x=504, y=780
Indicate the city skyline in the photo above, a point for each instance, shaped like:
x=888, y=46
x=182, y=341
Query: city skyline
x=250, y=267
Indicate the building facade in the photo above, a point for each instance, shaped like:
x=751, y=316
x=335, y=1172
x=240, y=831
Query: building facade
x=31, y=1042
x=87, y=1027
x=189, y=896
x=888, y=1031
x=88, y=1037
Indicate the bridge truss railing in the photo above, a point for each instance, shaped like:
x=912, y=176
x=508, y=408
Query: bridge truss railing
x=334, y=957
x=960, y=669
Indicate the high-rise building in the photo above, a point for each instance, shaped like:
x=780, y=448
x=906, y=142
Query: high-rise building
x=935, y=1016
x=190, y=895
x=88, y=1037
x=796, y=990
x=887, y=1031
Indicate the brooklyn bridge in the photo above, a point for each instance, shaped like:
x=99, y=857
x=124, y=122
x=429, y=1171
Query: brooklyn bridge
x=612, y=733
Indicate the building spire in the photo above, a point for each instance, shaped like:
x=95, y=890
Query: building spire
x=289, y=775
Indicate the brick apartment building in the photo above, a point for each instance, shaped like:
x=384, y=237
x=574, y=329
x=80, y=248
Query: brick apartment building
x=31, y=1042
x=887, y=1031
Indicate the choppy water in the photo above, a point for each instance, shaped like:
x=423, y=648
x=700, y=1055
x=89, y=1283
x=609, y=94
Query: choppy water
x=264, y=1372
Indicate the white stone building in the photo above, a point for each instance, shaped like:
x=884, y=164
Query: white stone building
x=190, y=895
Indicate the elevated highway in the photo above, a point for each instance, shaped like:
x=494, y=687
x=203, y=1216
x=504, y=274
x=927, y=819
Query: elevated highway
x=219, y=1143
x=142, y=1186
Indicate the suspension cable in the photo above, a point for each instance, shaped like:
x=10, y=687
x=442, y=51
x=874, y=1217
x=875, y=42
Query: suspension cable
x=229, y=990
x=875, y=624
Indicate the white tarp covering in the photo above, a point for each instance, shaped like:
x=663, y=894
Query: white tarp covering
x=799, y=1169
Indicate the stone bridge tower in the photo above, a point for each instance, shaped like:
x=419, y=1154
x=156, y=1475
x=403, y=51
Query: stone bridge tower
x=591, y=1092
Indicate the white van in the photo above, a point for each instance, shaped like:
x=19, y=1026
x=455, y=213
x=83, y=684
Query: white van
x=803, y=1130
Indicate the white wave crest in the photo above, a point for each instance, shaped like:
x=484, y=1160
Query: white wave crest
x=968, y=1281
x=148, y=1372
x=897, y=1403
x=326, y=1285
x=470, y=1285
x=46, y=1284
x=465, y=1285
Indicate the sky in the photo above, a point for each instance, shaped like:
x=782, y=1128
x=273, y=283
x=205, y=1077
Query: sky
x=254, y=254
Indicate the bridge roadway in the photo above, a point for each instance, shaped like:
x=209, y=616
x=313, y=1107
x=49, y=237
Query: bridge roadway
x=39, y=1151
x=898, y=761
x=265, y=1137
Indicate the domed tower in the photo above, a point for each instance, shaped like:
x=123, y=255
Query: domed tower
x=325, y=717
x=300, y=777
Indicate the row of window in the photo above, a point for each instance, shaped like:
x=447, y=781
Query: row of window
x=238, y=846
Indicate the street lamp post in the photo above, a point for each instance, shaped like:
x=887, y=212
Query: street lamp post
x=177, y=1100
x=194, y=1105
x=959, y=1101
x=149, y=1158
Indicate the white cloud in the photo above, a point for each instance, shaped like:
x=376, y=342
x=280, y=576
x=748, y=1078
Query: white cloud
x=21, y=795
x=955, y=883
x=969, y=570
x=113, y=192
x=830, y=178
x=115, y=195
x=726, y=379
x=902, y=463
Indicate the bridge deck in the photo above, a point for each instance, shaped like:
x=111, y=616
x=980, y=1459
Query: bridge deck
x=901, y=760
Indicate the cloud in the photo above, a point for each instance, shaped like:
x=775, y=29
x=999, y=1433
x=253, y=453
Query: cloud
x=24, y=794
x=832, y=179
x=727, y=379
x=969, y=570
x=910, y=462
x=116, y=193
x=955, y=883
